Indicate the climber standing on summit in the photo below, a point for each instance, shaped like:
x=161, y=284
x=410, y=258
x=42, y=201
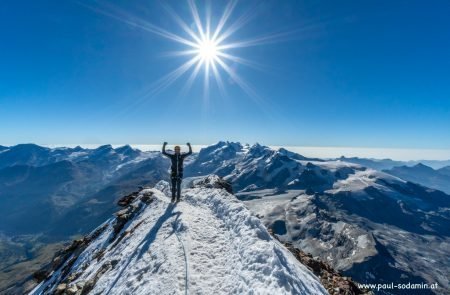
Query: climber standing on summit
x=176, y=168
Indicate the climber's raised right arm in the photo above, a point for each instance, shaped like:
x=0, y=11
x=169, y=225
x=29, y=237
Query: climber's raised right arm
x=164, y=149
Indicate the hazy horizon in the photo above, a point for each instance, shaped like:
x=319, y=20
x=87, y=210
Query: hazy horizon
x=325, y=152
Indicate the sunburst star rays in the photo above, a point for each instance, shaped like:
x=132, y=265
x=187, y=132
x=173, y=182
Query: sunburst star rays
x=205, y=46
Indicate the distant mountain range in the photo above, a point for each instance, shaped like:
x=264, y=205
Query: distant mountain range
x=371, y=219
x=382, y=164
x=420, y=173
x=39, y=186
x=369, y=224
x=433, y=174
x=49, y=195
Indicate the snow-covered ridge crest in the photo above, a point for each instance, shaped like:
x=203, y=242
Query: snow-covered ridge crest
x=207, y=244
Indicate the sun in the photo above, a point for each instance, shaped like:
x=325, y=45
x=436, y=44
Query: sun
x=207, y=50
x=206, y=45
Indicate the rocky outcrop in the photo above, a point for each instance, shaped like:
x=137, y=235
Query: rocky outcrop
x=128, y=199
x=213, y=181
x=65, y=259
x=334, y=282
x=68, y=254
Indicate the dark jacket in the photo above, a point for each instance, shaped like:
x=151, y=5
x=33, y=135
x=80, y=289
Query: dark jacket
x=177, y=161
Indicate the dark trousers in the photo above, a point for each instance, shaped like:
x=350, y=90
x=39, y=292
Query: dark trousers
x=176, y=186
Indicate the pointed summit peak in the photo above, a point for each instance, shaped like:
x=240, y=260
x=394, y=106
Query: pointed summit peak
x=105, y=147
x=77, y=148
x=290, y=154
x=123, y=148
x=283, y=151
x=103, y=150
x=127, y=151
x=258, y=150
x=219, y=144
x=423, y=167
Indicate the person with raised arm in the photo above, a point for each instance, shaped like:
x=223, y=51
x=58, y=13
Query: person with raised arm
x=176, y=174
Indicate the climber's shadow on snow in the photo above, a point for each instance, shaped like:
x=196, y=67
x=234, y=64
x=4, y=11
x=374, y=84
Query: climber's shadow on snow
x=151, y=236
x=148, y=240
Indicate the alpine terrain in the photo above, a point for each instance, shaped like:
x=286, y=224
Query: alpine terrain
x=376, y=221
x=368, y=224
x=209, y=243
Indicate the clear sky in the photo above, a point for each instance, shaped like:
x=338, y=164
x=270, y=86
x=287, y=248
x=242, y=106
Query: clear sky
x=331, y=73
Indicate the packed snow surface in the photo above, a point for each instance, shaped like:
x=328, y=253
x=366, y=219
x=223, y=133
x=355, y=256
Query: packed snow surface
x=209, y=243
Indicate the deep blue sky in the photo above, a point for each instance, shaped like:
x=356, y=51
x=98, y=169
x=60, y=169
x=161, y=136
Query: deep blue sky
x=353, y=73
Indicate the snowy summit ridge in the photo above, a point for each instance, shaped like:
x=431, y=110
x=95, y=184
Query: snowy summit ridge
x=207, y=244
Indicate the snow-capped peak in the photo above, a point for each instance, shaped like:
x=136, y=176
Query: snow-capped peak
x=207, y=244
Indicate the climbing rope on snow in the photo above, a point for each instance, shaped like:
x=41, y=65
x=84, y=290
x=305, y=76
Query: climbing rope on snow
x=186, y=273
